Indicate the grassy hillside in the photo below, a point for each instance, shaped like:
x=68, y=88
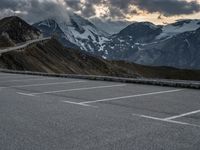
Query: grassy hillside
x=161, y=72
x=52, y=57
x=5, y=42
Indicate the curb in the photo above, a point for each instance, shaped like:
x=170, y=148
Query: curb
x=157, y=82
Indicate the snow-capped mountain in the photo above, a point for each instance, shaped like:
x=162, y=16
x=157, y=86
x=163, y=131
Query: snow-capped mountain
x=49, y=27
x=121, y=44
x=139, y=43
x=178, y=27
x=110, y=26
x=84, y=34
x=78, y=31
x=180, y=51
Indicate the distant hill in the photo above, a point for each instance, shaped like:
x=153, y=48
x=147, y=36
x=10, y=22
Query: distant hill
x=17, y=30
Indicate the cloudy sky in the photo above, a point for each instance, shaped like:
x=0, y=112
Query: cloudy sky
x=156, y=11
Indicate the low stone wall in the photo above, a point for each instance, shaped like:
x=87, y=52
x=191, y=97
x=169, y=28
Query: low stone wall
x=158, y=82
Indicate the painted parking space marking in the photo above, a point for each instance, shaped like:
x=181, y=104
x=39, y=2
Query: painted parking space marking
x=44, y=84
x=132, y=96
x=166, y=120
x=183, y=115
x=70, y=90
x=75, y=103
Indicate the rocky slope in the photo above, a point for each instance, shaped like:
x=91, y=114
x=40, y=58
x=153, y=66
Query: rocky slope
x=78, y=31
x=17, y=30
x=49, y=28
x=51, y=56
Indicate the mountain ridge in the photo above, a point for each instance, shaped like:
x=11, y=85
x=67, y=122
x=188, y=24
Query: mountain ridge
x=17, y=30
x=140, y=42
x=52, y=57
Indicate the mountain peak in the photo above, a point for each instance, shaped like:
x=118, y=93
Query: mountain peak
x=17, y=29
x=110, y=26
x=140, y=29
x=185, y=21
x=79, y=20
x=12, y=18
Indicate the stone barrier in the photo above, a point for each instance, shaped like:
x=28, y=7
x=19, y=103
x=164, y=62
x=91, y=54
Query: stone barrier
x=157, y=82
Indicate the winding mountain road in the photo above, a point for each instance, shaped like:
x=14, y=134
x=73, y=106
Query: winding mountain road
x=23, y=45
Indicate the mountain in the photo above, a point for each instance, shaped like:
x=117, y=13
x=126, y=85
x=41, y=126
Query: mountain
x=79, y=31
x=16, y=30
x=84, y=34
x=140, y=42
x=49, y=28
x=52, y=57
x=178, y=27
x=5, y=41
x=148, y=44
x=181, y=51
x=110, y=26
x=124, y=43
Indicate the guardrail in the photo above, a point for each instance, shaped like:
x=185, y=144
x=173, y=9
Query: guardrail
x=158, y=82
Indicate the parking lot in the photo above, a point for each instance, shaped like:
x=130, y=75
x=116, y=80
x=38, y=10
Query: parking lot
x=49, y=113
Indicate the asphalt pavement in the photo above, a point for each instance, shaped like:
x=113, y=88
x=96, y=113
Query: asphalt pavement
x=49, y=113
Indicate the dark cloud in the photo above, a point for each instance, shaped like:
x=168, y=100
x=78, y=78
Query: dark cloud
x=87, y=8
x=13, y=4
x=118, y=8
x=168, y=7
x=74, y=4
x=37, y=10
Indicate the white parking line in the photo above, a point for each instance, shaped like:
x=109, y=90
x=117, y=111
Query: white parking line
x=131, y=96
x=69, y=90
x=183, y=115
x=34, y=85
x=25, y=94
x=165, y=120
x=75, y=103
